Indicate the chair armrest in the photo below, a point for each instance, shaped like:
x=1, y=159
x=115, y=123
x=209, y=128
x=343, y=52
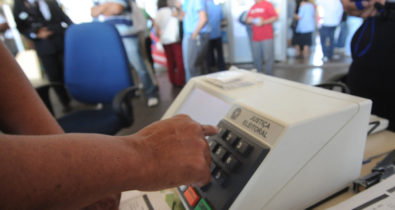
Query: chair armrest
x=122, y=104
x=332, y=85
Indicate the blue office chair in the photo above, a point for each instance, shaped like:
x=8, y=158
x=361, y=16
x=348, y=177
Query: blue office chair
x=97, y=71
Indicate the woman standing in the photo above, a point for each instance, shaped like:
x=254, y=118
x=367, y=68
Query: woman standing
x=167, y=29
x=304, y=28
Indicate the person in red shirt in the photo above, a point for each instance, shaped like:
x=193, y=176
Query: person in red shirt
x=261, y=16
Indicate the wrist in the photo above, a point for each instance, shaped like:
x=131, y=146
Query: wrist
x=138, y=162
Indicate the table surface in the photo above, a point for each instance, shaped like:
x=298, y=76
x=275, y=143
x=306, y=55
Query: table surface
x=376, y=144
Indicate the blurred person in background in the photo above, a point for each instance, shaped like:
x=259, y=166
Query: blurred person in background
x=145, y=39
x=118, y=13
x=243, y=21
x=45, y=23
x=371, y=74
x=343, y=32
x=306, y=19
x=196, y=36
x=215, y=53
x=167, y=29
x=262, y=15
x=291, y=9
x=331, y=13
x=145, y=42
x=141, y=17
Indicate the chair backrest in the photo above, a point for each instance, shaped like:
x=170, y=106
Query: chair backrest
x=96, y=65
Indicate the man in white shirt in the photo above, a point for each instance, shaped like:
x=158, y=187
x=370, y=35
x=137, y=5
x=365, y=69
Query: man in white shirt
x=331, y=13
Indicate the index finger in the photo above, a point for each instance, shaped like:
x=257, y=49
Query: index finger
x=209, y=130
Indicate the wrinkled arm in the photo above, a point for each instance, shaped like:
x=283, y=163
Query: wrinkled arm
x=72, y=170
x=21, y=109
x=62, y=171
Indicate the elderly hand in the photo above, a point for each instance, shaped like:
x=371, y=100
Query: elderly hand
x=174, y=152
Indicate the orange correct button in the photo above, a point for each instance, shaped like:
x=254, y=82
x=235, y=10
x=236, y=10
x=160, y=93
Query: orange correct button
x=191, y=196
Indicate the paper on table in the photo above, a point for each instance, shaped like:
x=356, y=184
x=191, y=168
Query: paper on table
x=380, y=196
x=228, y=79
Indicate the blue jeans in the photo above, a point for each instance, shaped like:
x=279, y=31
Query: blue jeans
x=327, y=36
x=215, y=55
x=263, y=51
x=131, y=45
x=249, y=32
x=341, y=40
x=185, y=57
x=195, y=59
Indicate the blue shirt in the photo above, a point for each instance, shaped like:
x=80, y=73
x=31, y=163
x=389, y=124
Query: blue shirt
x=306, y=23
x=191, y=19
x=215, y=16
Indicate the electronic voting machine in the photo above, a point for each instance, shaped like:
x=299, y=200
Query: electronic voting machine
x=281, y=144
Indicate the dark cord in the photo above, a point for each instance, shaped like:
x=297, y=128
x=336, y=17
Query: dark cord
x=368, y=160
x=375, y=125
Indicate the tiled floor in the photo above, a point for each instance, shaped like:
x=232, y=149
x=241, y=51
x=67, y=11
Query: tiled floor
x=308, y=71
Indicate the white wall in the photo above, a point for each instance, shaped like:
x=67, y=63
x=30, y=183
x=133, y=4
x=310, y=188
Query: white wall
x=78, y=11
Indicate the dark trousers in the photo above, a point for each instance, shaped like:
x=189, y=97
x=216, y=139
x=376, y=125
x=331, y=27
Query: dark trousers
x=175, y=63
x=327, y=36
x=196, y=60
x=53, y=67
x=372, y=74
x=215, y=47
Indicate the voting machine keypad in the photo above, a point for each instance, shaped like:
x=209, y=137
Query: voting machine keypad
x=235, y=157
